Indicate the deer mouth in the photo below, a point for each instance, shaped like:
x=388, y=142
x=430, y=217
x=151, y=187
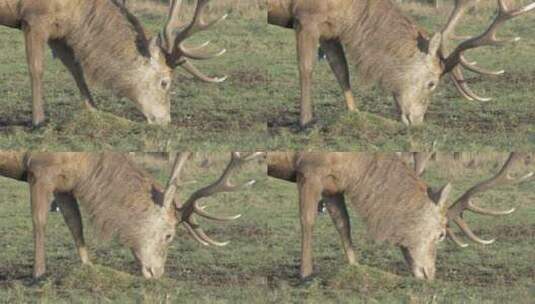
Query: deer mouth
x=151, y=272
x=407, y=118
x=161, y=121
x=424, y=273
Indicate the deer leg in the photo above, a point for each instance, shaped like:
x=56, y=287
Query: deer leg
x=35, y=41
x=309, y=196
x=307, y=43
x=41, y=199
x=337, y=210
x=337, y=61
x=71, y=214
x=66, y=56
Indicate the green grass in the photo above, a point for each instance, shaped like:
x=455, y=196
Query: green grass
x=261, y=263
x=205, y=116
x=257, y=107
x=504, y=123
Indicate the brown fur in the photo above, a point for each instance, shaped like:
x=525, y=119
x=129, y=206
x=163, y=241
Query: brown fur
x=365, y=179
x=380, y=41
x=385, y=45
x=100, y=41
x=109, y=44
x=120, y=199
x=117, y=195
x=384, y=191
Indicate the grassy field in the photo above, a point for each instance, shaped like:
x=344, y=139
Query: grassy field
x=453, y=123
x=260, y=265
x=205, y=116
x=257, y=107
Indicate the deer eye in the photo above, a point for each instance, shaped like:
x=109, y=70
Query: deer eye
x=431, y=85
x=442, y=236
x=164, y=84
x=168, y=237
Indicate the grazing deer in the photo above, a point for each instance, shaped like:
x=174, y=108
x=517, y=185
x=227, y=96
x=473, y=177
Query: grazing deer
x=102, y=41
x=386, y=46
x=120, y=198
x=395, y=203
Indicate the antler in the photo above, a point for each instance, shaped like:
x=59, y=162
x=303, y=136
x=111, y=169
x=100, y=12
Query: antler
x=454, y=61
x=174, y=180
x=223, y=184
x=465, y=201
x=172, y=41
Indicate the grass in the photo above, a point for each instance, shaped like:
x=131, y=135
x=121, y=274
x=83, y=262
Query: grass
x=452, y=123
x=261, y=263
x=256, y=108
x=205, y=116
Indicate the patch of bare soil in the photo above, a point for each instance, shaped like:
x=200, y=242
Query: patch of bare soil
x=204, y=121
x=248, y=78
x=250, y=231
x=513, y=233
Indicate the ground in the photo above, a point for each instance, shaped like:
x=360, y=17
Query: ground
x=261, y=263
x=257, y=107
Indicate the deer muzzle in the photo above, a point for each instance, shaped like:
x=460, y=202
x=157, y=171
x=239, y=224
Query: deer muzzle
x=158, y=120
x=152, y=272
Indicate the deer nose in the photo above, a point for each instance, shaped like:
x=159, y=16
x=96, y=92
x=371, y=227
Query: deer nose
x=411, y=120
x=147, y=272
x=163, y=120
x=152, y=272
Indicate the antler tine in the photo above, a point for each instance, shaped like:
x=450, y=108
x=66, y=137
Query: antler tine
x=223, y=184
x=460, y=84
x=171, y=40
x=172, y=23
x=488, y=37
x=197, y=24
x=465, y=201
x=455, y=238
x=448, y=32
x=190, y=68
x=174, y=180
x=478, y=70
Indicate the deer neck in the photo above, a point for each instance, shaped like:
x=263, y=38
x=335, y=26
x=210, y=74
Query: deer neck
x=116, y=194
x=109, y=43
x=386, y=194
x=379, y=40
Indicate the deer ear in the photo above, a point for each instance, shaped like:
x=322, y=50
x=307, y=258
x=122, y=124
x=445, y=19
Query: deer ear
x=441, y=196
x=434, y=44
x=154, y=47
x=177, y=203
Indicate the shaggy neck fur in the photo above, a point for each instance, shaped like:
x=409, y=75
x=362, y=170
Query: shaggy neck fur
x=380, y=40
x=389, y=198
x=109, y=43
x=118, y=196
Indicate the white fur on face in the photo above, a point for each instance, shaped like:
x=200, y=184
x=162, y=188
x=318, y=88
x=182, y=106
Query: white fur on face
x=152, y=97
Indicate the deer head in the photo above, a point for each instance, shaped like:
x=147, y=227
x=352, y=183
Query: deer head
x=427, y=230
x=419, y=249
x=150, y=244
x=167, y=51
x=422, y=75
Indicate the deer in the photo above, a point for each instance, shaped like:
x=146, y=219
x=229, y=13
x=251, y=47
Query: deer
x=121, y=200
x=100, y=41
x=397, y=206
x=387, y=47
